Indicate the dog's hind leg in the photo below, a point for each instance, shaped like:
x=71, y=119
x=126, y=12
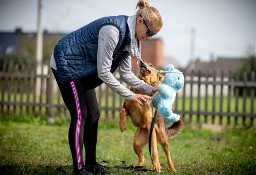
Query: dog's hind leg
x=155, y=158
x=122, y=119
x=140, y=140
x=163, y=140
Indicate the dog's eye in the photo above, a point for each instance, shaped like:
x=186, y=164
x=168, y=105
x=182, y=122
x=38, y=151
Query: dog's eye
x=178, y=78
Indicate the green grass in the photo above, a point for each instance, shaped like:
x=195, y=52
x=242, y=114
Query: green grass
x=31, y=146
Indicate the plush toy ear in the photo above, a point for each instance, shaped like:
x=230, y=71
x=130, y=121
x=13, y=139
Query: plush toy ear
x=169, y=67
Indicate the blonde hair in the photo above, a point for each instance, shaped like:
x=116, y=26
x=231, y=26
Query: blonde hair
x=150, y=14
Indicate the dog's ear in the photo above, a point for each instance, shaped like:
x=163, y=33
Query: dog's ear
x=160, y=77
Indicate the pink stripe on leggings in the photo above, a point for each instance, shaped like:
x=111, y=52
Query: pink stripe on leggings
x=78, y=125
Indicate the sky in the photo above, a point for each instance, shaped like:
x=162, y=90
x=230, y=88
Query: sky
x=222, y=28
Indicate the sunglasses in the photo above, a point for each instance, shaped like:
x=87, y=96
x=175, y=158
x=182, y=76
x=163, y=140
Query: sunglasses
x=149, y=31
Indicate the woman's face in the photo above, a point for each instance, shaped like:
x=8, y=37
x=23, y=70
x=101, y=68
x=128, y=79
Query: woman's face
x=144, y=30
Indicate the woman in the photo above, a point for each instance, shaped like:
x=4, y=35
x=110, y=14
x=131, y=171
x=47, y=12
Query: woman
x=87, y=57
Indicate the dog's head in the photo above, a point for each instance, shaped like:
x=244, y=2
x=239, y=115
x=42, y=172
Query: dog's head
x=149, y=74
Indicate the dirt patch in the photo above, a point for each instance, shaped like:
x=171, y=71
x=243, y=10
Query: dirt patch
x=214, y=128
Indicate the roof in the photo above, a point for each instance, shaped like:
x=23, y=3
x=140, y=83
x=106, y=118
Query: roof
x=9, y=42
x=222, y=64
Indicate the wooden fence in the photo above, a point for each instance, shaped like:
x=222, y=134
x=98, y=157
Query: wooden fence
x=204, y=99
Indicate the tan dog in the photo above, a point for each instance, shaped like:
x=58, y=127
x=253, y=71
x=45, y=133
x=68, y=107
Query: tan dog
x=141, y=117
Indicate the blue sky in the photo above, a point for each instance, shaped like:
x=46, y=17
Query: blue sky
x=222, y=27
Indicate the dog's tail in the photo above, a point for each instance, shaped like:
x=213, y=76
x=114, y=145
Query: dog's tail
x=175, y=129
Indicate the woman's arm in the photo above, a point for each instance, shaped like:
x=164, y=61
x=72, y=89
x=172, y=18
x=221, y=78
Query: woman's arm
x=108, y=39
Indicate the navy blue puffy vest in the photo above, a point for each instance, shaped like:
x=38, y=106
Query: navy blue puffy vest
x=76, y=53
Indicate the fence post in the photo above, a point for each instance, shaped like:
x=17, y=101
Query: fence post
x=206, y=97
x=191, y=97
x=221, y=97
x=244, y=97
x=198, y=97
x=214, y=97
x=50, y=97
x=230, y=88
x=252, y=99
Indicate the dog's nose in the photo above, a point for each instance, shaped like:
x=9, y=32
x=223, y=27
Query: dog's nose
x=141, y=62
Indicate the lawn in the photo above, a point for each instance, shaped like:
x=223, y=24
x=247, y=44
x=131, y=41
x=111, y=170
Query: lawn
x=31, y=146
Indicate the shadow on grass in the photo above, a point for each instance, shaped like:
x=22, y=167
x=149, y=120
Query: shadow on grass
x=124, y=169
x=17, y=169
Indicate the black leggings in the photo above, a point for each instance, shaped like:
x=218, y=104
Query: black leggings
x=84, y=110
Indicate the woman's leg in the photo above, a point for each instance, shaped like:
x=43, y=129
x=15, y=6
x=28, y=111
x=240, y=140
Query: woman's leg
x=73, y=97
x=91, y=126
x=91, y=134
x=77, y=109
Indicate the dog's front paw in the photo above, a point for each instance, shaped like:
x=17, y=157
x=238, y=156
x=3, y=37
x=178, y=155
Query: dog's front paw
x=122, y=126
x=122, y=119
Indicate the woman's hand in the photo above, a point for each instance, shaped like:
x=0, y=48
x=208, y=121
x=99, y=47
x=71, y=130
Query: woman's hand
x=141, y=99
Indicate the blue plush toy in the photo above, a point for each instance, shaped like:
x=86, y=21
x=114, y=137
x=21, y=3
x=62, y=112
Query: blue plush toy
x=164, y=98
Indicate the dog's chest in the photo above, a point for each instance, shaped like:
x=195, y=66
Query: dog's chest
x=138, y=113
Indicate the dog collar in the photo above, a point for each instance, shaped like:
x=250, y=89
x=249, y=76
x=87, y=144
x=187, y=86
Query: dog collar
x=159, y=71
